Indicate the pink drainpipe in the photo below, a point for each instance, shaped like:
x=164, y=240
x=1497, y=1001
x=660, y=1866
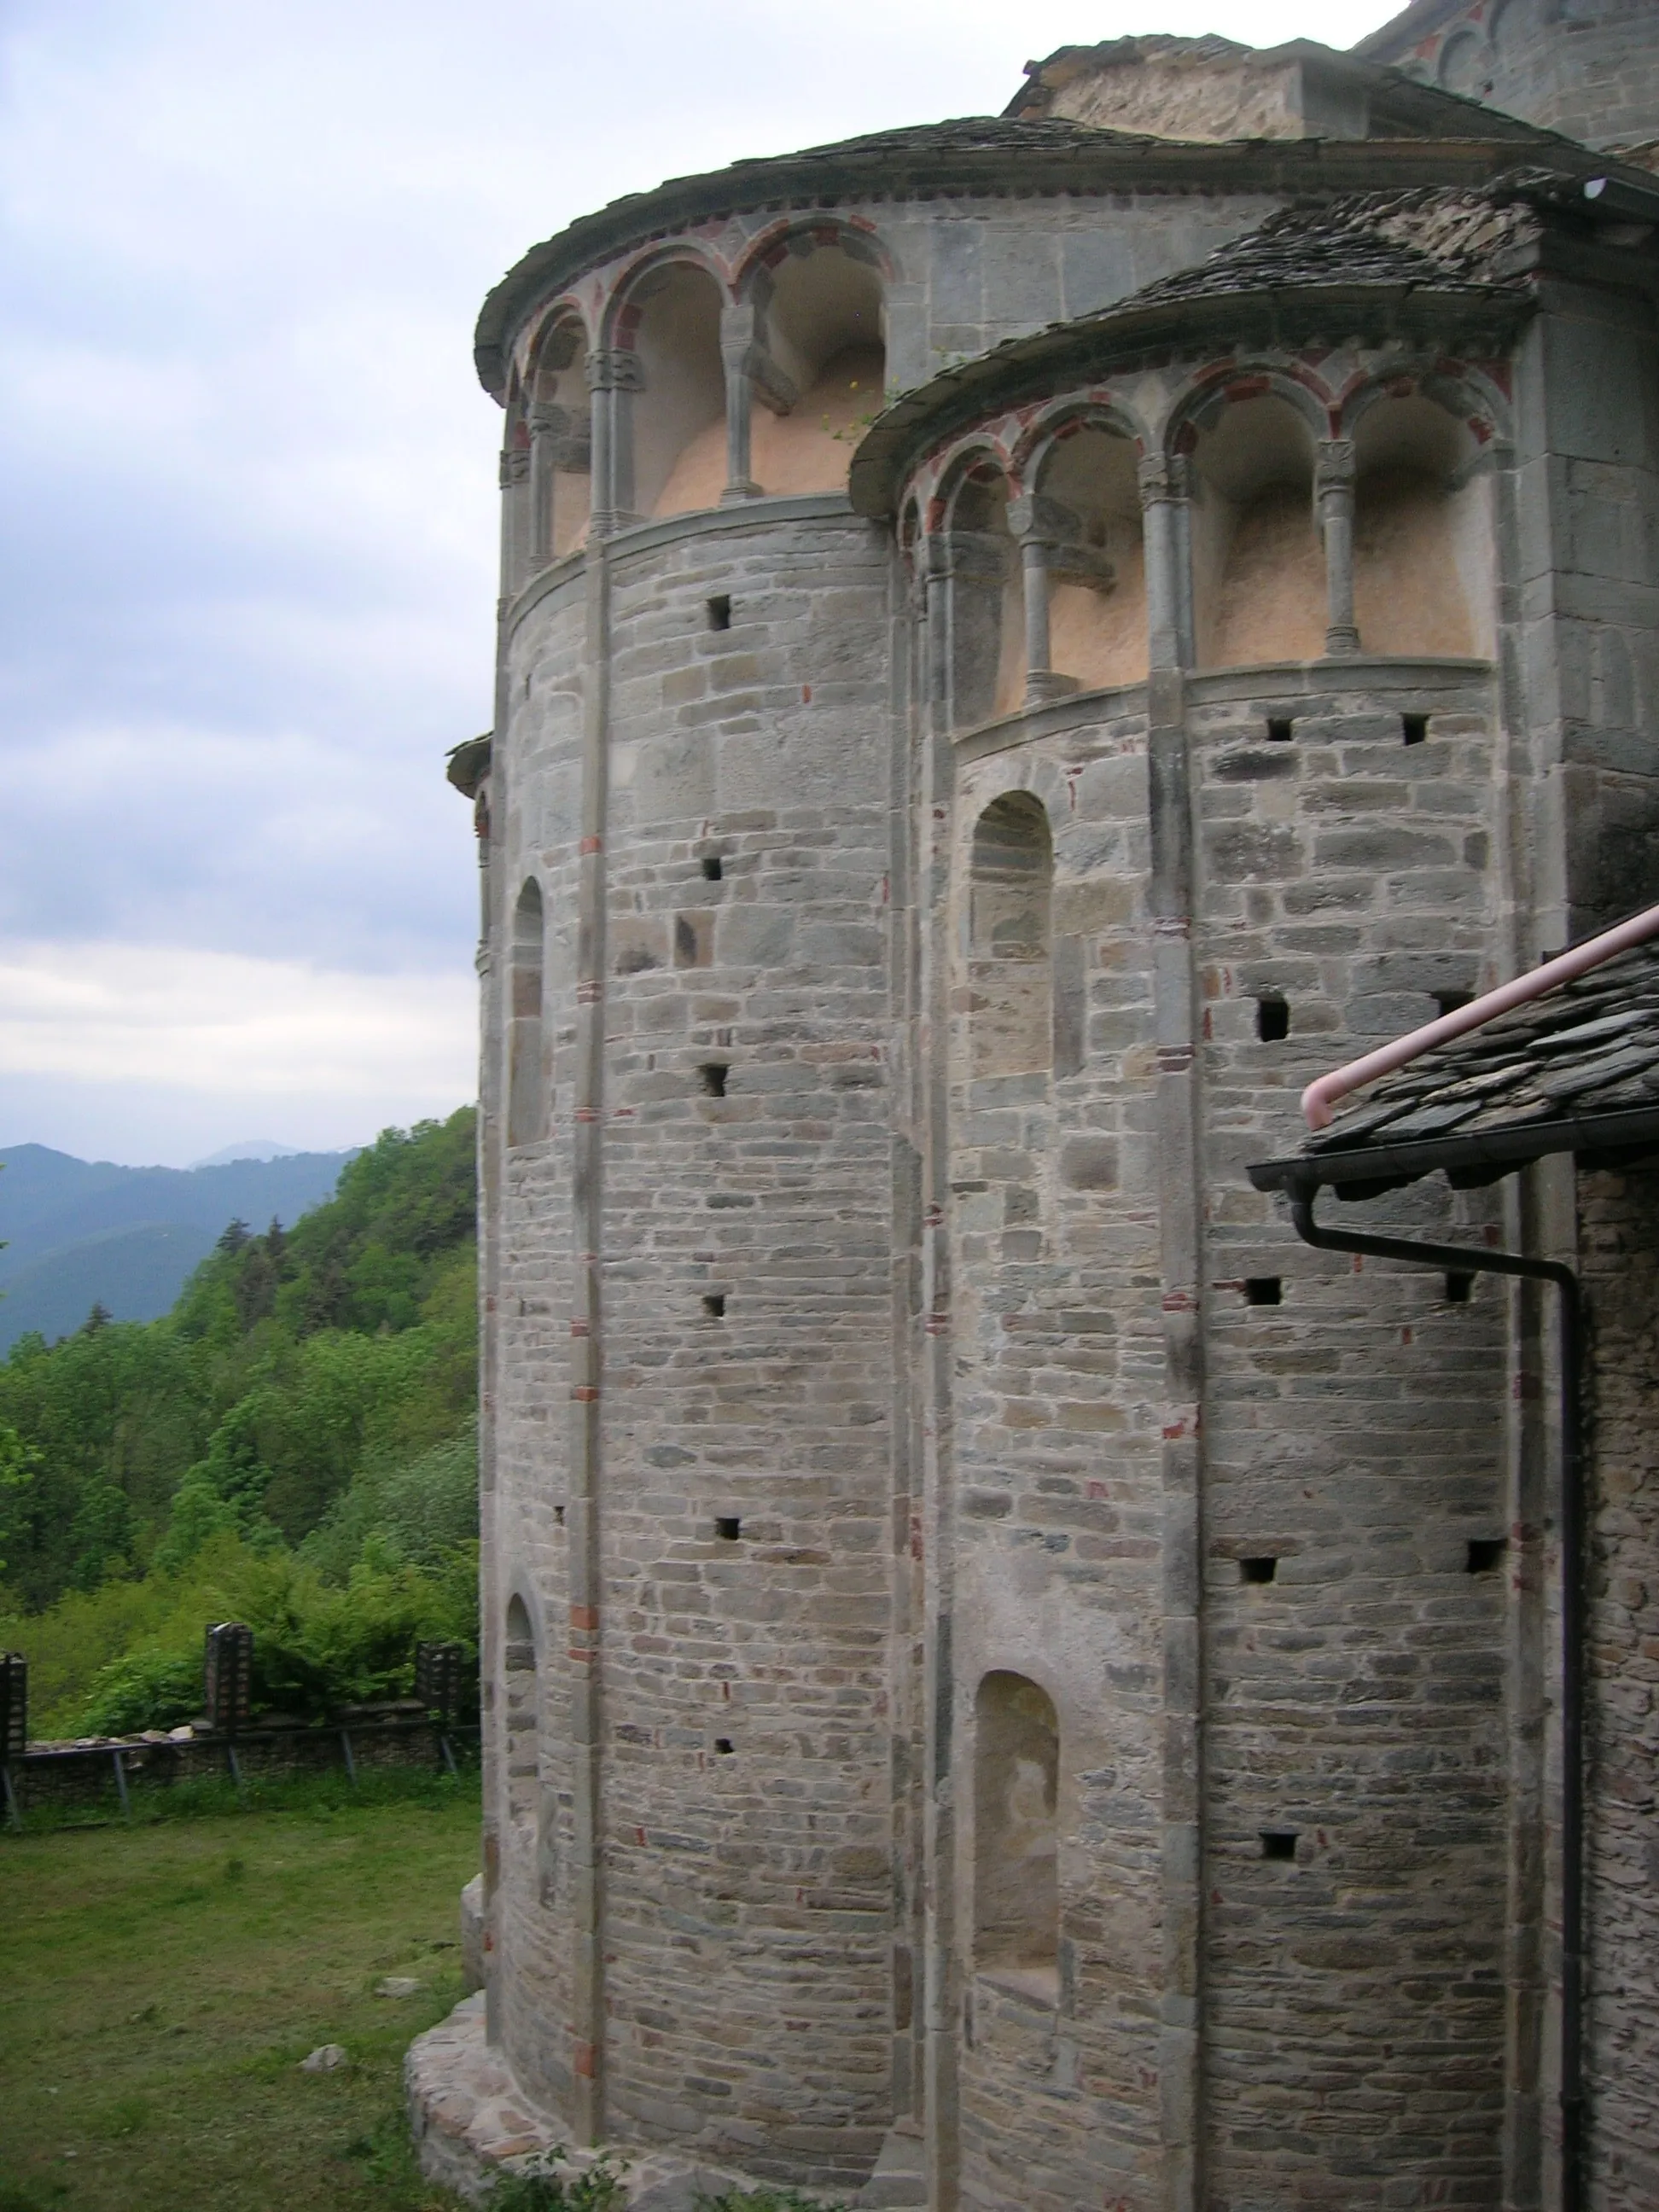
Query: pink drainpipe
x=1319, y=1096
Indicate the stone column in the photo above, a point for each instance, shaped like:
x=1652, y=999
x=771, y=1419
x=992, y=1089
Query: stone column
x=515, y=489
x=1164, y=480
x=936, y=1537
x=1034, y=550
x=547, y=427
x=737, y=347
x=613, y=378
x=1334, y=485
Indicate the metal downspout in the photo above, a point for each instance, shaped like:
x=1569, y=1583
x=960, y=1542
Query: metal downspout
x=1303, y=1192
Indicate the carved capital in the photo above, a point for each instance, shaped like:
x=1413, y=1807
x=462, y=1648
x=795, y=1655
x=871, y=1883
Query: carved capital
x=1164, y=476
x=614, y=368
x=1336, y=466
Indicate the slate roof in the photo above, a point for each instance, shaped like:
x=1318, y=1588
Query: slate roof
x=1576, y=1070
x=1429, y=256
x=993, y=153
x=1428, y=238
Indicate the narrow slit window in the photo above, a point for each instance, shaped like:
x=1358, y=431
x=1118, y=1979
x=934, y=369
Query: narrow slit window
x=1264, y=1290
x=1414, y=728
x=712, y=869
x=713, y=1072
x=1272, y=1020
x=720, y=611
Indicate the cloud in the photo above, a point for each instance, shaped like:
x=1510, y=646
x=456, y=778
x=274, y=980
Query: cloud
x=246, y=553
x=222, y=1022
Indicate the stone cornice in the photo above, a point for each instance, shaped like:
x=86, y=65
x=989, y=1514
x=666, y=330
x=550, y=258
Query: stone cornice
x=1024, y=159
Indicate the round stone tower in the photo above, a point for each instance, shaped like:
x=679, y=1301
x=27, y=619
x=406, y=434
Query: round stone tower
x=1010, y=664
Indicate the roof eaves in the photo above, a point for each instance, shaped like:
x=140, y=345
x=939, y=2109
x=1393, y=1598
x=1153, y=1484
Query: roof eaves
x=1366, y=1170
x=925, y=418
x=1075, y=158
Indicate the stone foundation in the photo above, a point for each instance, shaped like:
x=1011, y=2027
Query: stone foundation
x=472, y=2121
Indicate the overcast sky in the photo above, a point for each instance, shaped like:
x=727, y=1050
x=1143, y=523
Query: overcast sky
x=247, y=519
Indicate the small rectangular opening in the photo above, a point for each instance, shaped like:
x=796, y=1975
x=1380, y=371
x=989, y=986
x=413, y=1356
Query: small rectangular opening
x=713, y=1072
x=713, y=1305
x=1414, y=728
x=723, y=1744
x=1261, y=1569
x=1485, y=1555
x=558, y=1515
x=1449, y=1002
x=1263, y=1290
x=728, y=1527
x=720, y=611
x=1278, y=1843
x=1272, y=1020
x=1460, y=1289
x=1280, y=729
x=711, y=867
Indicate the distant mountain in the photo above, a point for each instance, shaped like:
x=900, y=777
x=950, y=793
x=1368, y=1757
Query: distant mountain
x=250, y=1148
x=81, y=1232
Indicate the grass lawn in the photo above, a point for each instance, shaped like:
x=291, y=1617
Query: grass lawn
x=159, y=1983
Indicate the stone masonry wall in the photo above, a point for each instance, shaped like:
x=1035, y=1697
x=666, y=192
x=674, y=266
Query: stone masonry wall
x=743, y=1503
x=537, y=837
x=1057, y=1332
x=1354, y=1424
x=1620, y=1257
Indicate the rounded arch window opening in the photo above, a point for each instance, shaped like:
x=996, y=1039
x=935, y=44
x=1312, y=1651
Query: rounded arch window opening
x=1259, y=588
x=560, y=442
x=1422, y=580
x=822, y=369
x=987, y=605
x=679, y=409
x=1087, y=510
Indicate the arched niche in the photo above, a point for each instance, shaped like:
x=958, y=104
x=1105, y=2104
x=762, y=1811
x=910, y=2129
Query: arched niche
x=522, y=1749
x=1011, y=893
x=1422, y=540
x=1258, y=568
x=986, y=610
x=526, y=1079
x=1016, y=1855
x=561, y=442
x=1090, y=507
x=1462, y=63
x=678, y=414
x=820, y=366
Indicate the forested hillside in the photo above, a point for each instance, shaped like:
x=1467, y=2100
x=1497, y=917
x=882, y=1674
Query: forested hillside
x=295, y=1443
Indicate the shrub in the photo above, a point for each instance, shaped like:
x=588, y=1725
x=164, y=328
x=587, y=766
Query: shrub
x=148, y=1689
x=543, y=2188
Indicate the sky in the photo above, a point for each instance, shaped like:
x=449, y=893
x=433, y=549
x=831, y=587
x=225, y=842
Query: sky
x=247, y=493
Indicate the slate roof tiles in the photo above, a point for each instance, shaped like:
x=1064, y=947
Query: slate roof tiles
x=1586, y=1048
